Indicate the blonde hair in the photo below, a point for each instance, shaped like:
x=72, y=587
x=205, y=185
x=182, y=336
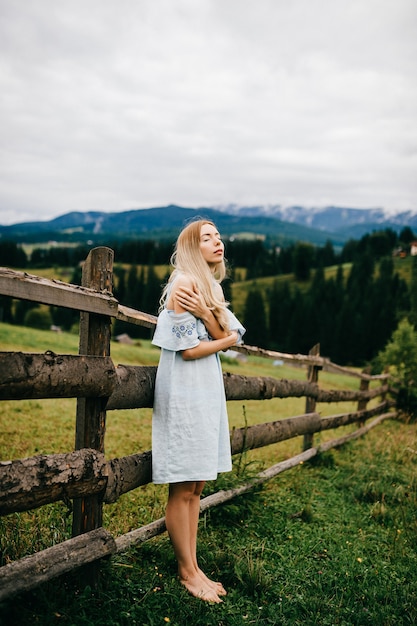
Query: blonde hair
x=188, y=259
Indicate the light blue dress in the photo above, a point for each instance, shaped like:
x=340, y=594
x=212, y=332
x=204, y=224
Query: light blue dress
x=190, y=430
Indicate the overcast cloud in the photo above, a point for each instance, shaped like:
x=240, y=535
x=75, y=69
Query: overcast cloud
x=119, y=104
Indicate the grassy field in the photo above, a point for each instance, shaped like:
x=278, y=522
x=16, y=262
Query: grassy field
x=330, y=542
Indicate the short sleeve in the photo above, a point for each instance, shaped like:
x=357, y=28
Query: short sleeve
x=234, y=324
x=176, y=331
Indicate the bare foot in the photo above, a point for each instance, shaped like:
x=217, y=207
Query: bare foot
x=217, y=586
x=198, y=588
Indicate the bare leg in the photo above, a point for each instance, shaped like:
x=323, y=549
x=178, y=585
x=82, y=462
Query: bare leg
x=181, y=524
x=194, y=517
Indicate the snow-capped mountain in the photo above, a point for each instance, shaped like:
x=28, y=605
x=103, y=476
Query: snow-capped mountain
x=331, y=219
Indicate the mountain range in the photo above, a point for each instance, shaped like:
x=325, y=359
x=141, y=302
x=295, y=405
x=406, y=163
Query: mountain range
x=280, y=224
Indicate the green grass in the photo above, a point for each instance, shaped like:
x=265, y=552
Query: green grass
x=333, y=541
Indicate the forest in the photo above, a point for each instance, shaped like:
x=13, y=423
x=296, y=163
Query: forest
x=290, y=301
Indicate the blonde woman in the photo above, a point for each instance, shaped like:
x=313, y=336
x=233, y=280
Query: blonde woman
x=190, y=432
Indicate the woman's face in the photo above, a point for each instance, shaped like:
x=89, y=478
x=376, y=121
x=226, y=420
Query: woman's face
x=211, y=246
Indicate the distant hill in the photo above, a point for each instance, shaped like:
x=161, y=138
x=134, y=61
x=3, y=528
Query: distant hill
x=158, y=223
x=340, y=221
x=280, y=224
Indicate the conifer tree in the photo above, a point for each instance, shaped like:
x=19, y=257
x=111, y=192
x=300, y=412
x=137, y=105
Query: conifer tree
x=302, y=260
x=255, y=319
x=151, y=292
x=132, y=287
x=280, y=311
x=119, y=288
x=413, y=293
x=301, y=332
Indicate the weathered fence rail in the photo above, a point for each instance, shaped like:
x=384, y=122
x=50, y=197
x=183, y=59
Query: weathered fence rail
x=84, y=475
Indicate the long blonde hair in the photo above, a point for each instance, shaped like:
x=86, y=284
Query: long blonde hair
x=187, y=259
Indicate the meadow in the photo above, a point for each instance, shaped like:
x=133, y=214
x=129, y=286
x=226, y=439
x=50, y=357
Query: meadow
x=332, y=541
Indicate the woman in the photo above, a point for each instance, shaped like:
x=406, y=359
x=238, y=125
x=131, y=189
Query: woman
x=190, y=432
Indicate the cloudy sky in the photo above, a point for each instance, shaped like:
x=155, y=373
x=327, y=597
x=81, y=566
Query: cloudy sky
x=119, y=104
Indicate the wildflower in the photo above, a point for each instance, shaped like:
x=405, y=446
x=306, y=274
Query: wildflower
x=359, y=560
x=166, y=619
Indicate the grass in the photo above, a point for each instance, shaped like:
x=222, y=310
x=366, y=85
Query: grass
x=330, y=542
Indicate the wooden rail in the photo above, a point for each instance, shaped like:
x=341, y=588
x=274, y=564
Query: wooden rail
x=84, y=475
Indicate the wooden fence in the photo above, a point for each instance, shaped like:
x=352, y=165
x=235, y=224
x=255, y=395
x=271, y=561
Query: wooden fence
x=84, y=475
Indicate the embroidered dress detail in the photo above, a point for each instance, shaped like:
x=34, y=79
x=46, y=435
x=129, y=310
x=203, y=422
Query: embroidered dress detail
x=184, y=329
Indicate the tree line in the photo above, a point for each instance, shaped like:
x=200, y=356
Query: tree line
x=352, y=316
x=259, y=257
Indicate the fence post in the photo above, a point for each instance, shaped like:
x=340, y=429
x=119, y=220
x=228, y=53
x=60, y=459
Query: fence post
x=94, y=339
x=312, y=377
x=363, y=386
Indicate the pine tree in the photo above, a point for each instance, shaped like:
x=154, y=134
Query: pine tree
x=302, y=260
x=255, y=319
x=413, y=293
x=280, y=312
x=301, y=332
x=132, y=288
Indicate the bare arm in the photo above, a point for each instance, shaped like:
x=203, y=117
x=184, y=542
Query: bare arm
x=188, y=298
x=205, y=348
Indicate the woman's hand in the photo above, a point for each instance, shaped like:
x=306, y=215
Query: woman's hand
x=233, y=338
x=187, y=297
x=192, y=301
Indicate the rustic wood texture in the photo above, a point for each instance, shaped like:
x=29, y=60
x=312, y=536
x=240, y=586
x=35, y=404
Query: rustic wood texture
x=30, y=483
x=134, y=387
x=334, y=443
x=343, y=419
x=45, y=291
x=260, y=435
x=264, y=388
x=312, y=377
x=303, y=359
x=127, y=473
x=33, y=570
x=51, y=375
x=126, y=314
x=364, y=386
x=95, y=335
x=140, y=535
